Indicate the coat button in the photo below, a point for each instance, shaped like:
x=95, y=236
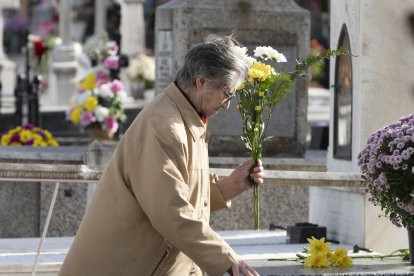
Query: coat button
x=205, y=203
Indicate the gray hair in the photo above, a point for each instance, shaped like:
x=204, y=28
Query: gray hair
x=217, y=59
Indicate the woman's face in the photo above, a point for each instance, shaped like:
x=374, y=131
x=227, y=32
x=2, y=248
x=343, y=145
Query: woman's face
x=211, y=99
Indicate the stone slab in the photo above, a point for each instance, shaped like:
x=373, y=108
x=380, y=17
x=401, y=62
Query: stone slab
x=264, y=250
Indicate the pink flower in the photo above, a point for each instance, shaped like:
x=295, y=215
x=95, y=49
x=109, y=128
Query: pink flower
x=101, y=78
x=117, y=86
x=111, y=124
x=111, y=62
x=87, y=118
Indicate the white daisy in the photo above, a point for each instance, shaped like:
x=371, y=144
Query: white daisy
x=267, y=52
x=101, y=112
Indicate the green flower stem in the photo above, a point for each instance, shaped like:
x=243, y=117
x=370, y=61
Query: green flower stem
x=404, y=254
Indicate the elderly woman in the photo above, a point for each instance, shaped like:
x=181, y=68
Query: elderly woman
x=150, y=213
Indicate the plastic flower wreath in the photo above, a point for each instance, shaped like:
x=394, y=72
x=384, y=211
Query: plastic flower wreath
x=387, y=165
x=28, y=135
x=262, y=90
x=98, y=102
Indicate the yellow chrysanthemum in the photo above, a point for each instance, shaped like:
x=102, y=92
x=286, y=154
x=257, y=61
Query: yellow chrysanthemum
x=319, y=246
x=37, y=139
x=260, y=71
x=258, y=108
x=25, y=135
x=15, y=130
x=261, y=93
x=91, y=103
x=75, y=115
x=89, y=82
x=52, y=143
x=317, y=260
x=48, y=134
x=340, y=257
x=5, y=139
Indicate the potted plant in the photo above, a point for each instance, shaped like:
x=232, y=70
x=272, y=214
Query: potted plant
x=387, y=165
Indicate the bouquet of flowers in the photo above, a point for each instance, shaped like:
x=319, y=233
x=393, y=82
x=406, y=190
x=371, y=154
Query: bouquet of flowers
x=387, y=164
x=320, y=254
x=28, y=135
x=98, y=102
x=141, y=70
x=262, y=90
x=41, y=47
x=103, y=51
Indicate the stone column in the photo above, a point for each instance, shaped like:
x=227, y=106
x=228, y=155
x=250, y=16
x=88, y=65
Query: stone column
x=132, y=32
x=7, y=67
x=63, y=60
x=132, y=26
x=100, y=16
x=382, y=92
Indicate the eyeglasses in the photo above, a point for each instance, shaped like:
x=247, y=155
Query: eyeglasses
x=228, y=96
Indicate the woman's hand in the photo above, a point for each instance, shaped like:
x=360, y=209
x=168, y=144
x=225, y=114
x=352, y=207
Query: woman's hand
x=241, y=268
x=238, y=181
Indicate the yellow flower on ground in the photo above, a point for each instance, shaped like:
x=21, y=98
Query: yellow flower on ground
x=340, y=257
x=257, y=108
x=260, y=71
x=91, y=103
x=261, y=93
x=89, y=83
x=317, y=260
x=319, y=246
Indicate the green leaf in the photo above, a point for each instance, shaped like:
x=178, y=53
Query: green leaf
x=303, y=65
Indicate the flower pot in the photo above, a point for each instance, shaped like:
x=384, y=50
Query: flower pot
x=99, y=134
x=411, y=243
x=137, y=91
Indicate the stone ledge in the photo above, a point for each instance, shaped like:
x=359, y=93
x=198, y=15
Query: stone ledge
x=18, y=172
x=83, y=173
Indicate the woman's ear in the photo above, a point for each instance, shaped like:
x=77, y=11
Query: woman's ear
x=201, y=81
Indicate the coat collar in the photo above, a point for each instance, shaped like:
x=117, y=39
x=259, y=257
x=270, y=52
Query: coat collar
x=190, y=116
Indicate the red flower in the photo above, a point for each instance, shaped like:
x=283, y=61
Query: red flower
x=39, y=48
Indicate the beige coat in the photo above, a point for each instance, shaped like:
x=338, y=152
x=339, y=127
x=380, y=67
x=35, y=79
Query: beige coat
x=152, y=205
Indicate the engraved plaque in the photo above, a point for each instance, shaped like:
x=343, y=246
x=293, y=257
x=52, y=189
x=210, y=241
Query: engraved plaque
x=164, y=60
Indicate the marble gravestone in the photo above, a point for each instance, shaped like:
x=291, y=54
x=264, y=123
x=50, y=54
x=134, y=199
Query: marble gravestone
x=280, y=24
x=371, y=90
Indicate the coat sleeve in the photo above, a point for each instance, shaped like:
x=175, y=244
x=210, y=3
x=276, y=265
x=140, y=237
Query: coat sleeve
x=157, y=176
x=216, y=199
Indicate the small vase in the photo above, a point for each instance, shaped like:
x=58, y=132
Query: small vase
x=411, y=243
x=100, y=134
x=137, y=91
